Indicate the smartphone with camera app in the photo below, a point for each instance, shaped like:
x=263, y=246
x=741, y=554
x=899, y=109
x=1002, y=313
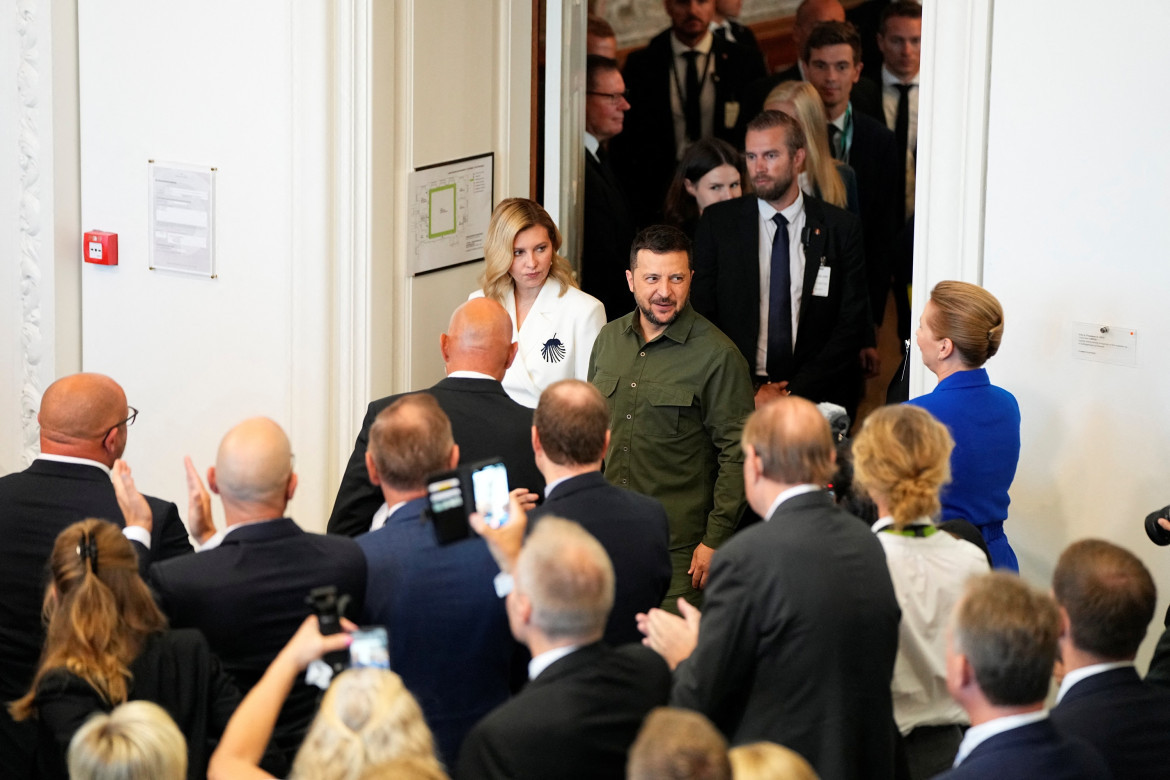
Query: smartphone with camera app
x=453, y=495
x=370, y=648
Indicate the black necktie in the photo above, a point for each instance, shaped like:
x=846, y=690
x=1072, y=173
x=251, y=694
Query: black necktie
x=834, y=141
x=902, y=138
x=691, y=110
x=779, y=304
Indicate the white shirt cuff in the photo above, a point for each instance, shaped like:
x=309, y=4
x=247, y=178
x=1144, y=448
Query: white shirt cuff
x=503, y=583
x=137, y=533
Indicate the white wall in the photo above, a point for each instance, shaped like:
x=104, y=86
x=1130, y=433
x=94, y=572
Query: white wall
x=1076, y=230
x=313, y=113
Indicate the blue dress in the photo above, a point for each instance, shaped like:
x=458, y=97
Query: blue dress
x=984, y=421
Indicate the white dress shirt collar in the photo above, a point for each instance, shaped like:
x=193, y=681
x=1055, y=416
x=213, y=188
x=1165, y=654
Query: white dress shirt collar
x=77, y=461
x=469, y=375
x=384, y=513
x=592, y=145
x=889, y=79
x=547, y=659
x=1076, y=675
x=792, y=492
x=548, y=489
x=678, y=48
x=977, y=735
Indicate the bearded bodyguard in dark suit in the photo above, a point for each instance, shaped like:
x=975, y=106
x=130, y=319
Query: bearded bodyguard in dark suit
x=783, y=275
x=477, y=350
x=684, y=86
x=799, y=627
x=84, y=420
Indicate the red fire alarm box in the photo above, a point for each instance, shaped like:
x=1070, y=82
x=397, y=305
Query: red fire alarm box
x=101, y=247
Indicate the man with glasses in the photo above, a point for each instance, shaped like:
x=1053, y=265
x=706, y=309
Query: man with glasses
x=608, y=227
x=84, y=420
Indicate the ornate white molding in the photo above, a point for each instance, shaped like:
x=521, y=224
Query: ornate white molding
x=32, y=337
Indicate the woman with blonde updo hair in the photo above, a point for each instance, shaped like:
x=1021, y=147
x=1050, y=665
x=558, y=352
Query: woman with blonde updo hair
x=108, y=643
x=900, y=459
x=554, y=323
x=769, y=761
x=822, y=177
x=960, y=328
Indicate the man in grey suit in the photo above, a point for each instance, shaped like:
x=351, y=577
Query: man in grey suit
x=800, y=624
x=570, y=436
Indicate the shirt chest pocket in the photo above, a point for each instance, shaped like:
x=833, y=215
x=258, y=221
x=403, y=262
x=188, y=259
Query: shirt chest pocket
x=667, y=410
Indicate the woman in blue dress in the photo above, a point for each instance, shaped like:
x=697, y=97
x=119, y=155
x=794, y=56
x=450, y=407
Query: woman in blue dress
x=960, y=329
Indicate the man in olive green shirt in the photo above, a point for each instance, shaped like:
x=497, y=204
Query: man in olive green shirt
x=679, y=392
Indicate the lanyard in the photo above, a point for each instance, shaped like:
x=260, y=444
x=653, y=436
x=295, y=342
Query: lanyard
x=847, y=133
x=912, y=531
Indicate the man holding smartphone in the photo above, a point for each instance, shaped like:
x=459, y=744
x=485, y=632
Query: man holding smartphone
x=449, y=638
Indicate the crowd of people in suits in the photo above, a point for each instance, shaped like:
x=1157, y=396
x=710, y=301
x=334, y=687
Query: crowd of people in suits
x=698, y=575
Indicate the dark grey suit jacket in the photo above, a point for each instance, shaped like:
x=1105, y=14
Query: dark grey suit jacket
x=577, y=719
x=798, y=640
x=831, y=330
x=633, y=529
x=486, y=424
x=35, y=506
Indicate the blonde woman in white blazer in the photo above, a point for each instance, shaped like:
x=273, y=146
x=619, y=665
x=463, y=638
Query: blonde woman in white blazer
x=552, y=320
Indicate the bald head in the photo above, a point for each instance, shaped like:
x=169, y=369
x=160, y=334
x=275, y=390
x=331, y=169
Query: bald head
x=479, y=338
x=77, y=413
x=253, y=468
x=811, y=13
x=793, y=442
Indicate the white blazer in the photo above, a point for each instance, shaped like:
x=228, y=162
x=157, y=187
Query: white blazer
x=555, y=342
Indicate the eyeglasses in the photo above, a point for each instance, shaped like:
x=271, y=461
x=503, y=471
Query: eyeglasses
x=127, y=422
x=614, y=97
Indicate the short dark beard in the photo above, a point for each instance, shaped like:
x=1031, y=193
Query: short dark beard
x=776, y=191
x=648, y=313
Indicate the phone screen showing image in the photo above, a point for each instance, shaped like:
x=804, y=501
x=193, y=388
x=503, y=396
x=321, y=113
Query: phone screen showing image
x=490, y=486
x=370, y=648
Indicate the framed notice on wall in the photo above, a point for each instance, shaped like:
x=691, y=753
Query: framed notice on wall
x=182, y=218
x=450, y=207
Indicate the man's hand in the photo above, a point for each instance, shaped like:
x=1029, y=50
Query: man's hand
x=526, y=498
x=871, y=362
x=199, y=522
x=135, y=510
x=700, y=565
x=505, y=542
x=770, y=391
x=672, y=637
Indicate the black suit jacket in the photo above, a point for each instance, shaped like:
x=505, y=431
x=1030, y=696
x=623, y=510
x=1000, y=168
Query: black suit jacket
x=633, y=529
x=486, y=423
x=644, y=153
x=175, y=670
x=577, y=719
x=866, y=95
x=874, y=158
x=248, y=595
x=1028, y=752
x=35, y=506
x=1126, y=719
x=798, y=640
x=831, y=330
x=608, y=234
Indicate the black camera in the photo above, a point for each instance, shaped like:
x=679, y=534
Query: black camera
x=328, y=607
x=1158, y=535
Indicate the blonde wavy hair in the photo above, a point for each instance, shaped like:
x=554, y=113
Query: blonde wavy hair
x=367, y=718
x=903, y=455
x=818, y=160
x=137, y=741
x=512, y=217
x=99, y=613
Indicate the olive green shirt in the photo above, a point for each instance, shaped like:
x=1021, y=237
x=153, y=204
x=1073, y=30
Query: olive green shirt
x=677, y=409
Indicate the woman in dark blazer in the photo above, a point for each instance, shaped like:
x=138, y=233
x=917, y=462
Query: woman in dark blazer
x=107, y=642
x=961, y=327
